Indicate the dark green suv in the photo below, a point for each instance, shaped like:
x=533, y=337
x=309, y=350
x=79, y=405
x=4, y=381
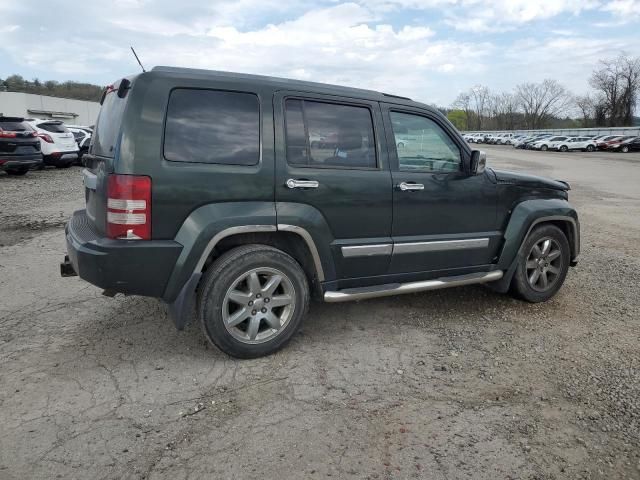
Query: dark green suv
x=239, y=197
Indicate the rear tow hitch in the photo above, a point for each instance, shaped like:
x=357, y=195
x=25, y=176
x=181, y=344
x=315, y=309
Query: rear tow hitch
x=66, y=269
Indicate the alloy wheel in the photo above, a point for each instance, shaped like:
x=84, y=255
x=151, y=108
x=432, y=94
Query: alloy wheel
x=544, y=264
x=258, y=305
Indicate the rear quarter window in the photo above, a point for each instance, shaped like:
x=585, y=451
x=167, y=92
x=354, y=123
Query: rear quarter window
x=212, y=126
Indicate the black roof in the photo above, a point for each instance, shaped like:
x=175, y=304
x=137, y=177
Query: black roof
x=289, y=84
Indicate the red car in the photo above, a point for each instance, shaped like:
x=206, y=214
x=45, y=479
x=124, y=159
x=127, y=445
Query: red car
x=604, y=143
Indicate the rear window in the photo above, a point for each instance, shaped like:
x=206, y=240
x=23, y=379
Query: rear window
x=13, y=126
x=212, y=126
x=107, y=130
x=52, y=127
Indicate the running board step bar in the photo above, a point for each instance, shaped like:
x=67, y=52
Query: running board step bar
x=390, y=289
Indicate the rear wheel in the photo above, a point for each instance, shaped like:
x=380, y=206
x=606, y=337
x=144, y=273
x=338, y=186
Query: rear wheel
x=624, y=149
x=544, y=148
x=17, y=171
x=590, y=148
x=252, y=300
x=543, y=263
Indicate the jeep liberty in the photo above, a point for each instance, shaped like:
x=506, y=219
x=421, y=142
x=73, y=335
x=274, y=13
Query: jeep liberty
x=236, y=198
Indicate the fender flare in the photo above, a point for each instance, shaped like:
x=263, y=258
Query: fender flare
x=524, y=218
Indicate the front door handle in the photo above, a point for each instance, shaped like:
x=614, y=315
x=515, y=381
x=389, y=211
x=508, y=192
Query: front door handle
x=291, y=183
x=408, y=187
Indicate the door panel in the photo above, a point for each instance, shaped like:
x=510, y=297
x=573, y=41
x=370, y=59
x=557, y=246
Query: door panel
x=442, y=217
x=337, y=144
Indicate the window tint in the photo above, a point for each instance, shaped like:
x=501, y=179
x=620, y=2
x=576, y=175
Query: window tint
x=209, y=126
x=422, y=145
x=13, y=126
x=53, y=127
x=329, y=135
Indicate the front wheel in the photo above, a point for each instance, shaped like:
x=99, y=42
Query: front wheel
x=564, y=148
x=624, y=149
x=544, y=148
x=252, y=300
x=590, y=148
x=543, y=262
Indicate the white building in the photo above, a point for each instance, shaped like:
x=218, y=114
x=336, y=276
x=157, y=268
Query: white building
x=71, y=112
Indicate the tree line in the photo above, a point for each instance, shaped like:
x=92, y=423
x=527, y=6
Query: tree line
x=70, y=89
x=615, y=85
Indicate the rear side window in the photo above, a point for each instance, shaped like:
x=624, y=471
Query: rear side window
x=211, y=126
x=329, y=135
x=107, y=131
x=52, y=127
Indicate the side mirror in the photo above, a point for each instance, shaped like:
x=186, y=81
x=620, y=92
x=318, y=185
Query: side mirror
x=478, y=162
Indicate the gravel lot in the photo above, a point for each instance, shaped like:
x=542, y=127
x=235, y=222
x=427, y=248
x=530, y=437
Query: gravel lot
x=460, y=383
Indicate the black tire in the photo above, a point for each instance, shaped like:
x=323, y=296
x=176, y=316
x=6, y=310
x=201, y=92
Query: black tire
x=521, y=284
x=590, y=148
x=544, y=148
x=218, y=281
x=624, y=149
x=17, y=171
x=564, y=148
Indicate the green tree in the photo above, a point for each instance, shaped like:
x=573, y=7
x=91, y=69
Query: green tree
x=458, y=118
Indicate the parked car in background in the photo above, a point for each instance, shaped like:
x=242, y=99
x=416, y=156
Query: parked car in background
x=545, y=144
x=632, y=145
x=58, y=145
x=505, y=139
x=19, y=146
x=83, y=139
x=603, y=143
x=616, y=144
x=576, y=143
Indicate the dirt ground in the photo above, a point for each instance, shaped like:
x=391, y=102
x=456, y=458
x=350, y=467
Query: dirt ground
x=453, y=384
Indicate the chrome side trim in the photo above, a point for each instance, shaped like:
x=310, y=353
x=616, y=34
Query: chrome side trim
x=226, y=233
x=440, y=246
x=365, y=293
x=310, y=243
x=367, y=250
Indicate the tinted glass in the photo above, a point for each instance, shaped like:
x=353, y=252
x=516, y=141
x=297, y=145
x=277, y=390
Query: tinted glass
x=210, y=126
x=329, y=135
x=107, y=128
x=52, y=127
x=422, y=145
x=11, y=126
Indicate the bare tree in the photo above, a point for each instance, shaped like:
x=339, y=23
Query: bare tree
x=463, y=102
x=541, y=101
x=479, y=95
x=618, y=81
x=586, y=104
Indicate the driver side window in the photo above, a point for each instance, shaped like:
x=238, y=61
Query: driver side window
x=422, y=145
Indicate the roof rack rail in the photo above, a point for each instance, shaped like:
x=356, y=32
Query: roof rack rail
x=396, y=96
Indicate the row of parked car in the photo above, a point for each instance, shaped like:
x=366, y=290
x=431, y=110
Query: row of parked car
x=560, y=143
x=27, y=143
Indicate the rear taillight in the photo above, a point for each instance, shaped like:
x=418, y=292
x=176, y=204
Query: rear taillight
x=129, y=207
x=47, y=138
x=4, y=134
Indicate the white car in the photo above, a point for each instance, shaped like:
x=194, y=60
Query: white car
x=548, y=143
x=83, y=139
x=577, y=143
x=504, y=139
x=59, y=147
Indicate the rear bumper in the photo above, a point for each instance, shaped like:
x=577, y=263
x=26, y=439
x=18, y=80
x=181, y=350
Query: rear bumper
x=61, y=158
x=19, y=161
x=123, y=266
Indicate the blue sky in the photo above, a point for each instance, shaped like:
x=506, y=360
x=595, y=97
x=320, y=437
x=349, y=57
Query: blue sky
x=430, y=50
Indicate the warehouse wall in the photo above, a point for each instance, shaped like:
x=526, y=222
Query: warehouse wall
x=71, y=112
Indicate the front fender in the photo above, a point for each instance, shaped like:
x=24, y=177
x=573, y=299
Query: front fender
x=207, y=225
x=530, y=213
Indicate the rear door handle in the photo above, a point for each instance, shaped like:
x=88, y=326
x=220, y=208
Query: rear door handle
x=408, y=187
x=291, y=183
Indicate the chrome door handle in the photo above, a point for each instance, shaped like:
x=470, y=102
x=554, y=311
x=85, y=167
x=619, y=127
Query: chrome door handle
x=291, y=183
x=407, y=187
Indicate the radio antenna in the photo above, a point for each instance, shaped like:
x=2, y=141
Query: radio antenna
x=139, y=62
